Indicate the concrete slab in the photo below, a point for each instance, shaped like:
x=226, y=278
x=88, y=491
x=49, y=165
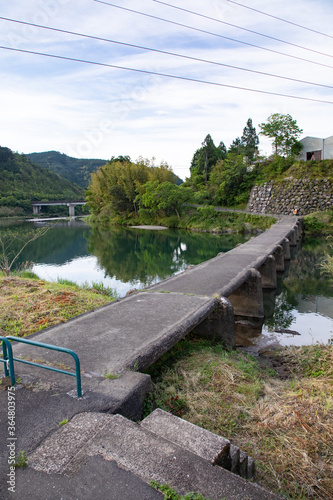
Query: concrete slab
x=130, y=333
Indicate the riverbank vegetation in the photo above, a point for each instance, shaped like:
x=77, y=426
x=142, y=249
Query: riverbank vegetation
x=276, y=407
x=29, y=304
x=127, y=193
x=319, y=223
x=132, y=193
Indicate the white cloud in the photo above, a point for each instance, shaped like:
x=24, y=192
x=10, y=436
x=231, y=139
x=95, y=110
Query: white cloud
x=95, y=111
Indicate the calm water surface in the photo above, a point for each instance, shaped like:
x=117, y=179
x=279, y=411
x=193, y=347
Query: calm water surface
x=121, y=258
x=132, y=258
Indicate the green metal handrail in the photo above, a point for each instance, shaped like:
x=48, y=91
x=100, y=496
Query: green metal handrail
x=77, y=373
x=7, y=359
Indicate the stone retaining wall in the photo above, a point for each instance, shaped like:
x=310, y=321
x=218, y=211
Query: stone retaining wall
x=288, y=195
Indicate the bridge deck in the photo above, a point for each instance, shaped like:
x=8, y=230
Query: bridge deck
x=223, y=274
x=137, y=330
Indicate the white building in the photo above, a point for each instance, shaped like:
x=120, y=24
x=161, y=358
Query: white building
x=315, y=148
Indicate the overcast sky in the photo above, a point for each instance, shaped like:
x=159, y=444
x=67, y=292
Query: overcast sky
x=95, y=111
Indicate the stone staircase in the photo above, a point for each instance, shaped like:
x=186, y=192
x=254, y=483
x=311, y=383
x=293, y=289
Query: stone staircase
x=211, y=447
x=163, y=448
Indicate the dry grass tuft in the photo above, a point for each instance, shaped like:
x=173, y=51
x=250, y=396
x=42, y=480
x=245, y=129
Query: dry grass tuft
x=28, y=305
x=286, y=425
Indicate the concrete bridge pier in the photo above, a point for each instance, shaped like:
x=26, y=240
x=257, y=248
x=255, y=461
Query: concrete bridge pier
x=36, y=209
x=71, y=209
x=268, y=273
x=299, y=230
x=292, y=236
x=247, y=300
x=279, y=258
x=286, y=249
x=220, y=325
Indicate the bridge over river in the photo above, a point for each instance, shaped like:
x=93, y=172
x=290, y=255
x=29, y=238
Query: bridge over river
x=37, y=206
x=117, y=342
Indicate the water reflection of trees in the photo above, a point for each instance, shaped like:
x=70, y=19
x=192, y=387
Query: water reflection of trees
x=305, y=278
x=62, y=243
x=133, y=255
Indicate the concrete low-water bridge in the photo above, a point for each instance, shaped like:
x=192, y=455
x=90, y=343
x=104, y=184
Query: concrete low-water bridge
x=117, y=342
x=37, y=206
x=133, y=332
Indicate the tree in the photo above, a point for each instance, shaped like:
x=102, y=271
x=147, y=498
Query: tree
x=164, y=196
x=250, y=140
x=205, y=158
x=236, y=147
x=114, y=188
x=284, y=132
x=247, y=145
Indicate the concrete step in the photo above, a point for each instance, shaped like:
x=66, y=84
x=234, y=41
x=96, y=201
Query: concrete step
x=215, y=449
x=138, y=450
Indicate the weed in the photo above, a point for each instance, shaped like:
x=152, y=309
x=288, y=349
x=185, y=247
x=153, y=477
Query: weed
x=66, y=282
x=21, y=459
x=111, y=376
x=104, y=290
x=148, y=405
x=63, y=422
x=171, y=494
x=29, y=275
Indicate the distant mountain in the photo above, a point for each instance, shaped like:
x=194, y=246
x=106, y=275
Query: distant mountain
x=76, y=170
x=22, y=182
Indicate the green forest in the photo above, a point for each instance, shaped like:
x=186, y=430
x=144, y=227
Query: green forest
x=22, y=182
x=76, y=170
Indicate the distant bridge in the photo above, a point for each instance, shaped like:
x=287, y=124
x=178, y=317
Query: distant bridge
x=37, y=206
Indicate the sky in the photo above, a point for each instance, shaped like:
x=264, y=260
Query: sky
x=96, y=111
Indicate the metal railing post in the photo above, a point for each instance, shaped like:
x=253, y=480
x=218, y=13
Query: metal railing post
x=7, y=359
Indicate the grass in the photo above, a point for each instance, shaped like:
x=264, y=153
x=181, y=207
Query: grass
x=31, y=304
x=171, y=494
x=319, y=222
x=286, y=425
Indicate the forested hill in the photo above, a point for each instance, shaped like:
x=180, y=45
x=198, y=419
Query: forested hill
x=76, y=170
x=22, y=181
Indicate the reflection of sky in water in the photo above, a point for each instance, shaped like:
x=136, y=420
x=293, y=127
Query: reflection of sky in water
x=312, y=319
x=86, y=270
x=313, y=327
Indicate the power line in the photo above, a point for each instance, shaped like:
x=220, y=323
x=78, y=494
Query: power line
x=165, y=75
x=241, y=28
x=213, y=34
x=280, y=19
x=163, y=52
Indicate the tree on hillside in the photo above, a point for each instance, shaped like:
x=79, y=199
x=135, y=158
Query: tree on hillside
x=230, y=181
x=236, y=147
x=247, y=145
x=205, y=158
x=250, y=140
x=284, y=132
